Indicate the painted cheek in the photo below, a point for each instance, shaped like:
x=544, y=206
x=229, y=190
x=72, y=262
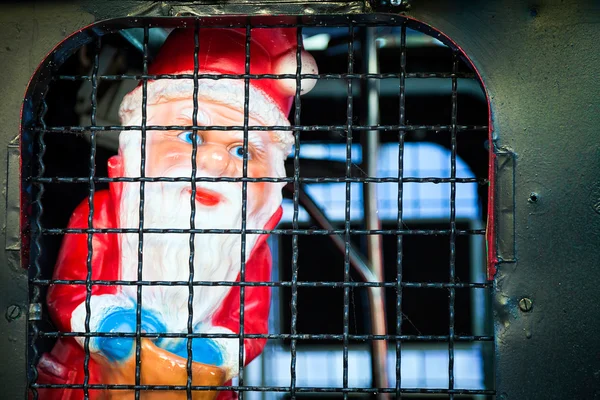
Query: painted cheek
x=164, y=155
x=153, y=162
x=259, y=190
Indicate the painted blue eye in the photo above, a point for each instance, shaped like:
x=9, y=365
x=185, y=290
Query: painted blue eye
x=238, y=151
x=188, y=137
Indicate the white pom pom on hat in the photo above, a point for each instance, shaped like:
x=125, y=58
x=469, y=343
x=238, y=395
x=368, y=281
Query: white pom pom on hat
x=287, y=64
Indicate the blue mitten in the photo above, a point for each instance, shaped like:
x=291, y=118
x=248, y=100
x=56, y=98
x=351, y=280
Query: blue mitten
x=204, y=350
x=123, y=320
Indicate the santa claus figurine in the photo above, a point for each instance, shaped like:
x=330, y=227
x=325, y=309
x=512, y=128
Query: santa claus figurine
x=166, y=256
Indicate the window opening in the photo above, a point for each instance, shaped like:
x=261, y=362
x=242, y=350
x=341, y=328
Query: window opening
x=433, y=134
x=422, y=200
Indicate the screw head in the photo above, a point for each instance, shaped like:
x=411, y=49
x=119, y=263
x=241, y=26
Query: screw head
x=13, y=312
x=525, y=304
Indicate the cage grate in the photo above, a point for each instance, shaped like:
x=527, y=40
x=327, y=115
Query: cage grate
x=38, y=178
x=399, y=277
x=90, y=220
x=193, y=207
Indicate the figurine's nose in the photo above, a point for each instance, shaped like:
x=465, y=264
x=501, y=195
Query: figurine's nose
x=213, y=159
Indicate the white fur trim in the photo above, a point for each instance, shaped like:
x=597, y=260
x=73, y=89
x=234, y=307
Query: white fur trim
x=229, y=92
x=100, y=306
x=230, y=348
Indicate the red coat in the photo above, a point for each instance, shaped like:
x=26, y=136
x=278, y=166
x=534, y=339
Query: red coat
x=64, y=364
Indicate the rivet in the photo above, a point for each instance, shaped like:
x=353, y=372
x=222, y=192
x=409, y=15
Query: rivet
x=533, y=197
x=533, y=12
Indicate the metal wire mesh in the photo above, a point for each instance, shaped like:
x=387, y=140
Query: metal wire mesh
x=39, y=179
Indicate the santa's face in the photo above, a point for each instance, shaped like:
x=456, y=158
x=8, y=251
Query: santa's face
x=219, y=153
x=217, y=205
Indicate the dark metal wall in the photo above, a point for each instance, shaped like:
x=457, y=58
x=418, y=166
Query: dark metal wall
x=28, y=31
x=540, y=63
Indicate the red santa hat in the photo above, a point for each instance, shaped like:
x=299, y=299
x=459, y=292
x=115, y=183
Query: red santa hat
x=223, y=51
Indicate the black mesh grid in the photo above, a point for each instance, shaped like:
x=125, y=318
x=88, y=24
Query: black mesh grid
x=294, y=282
x=349, y=111
x=297, y=182
x=401, y=121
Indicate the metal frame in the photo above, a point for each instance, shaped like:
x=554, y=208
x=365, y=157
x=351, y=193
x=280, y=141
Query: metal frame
x=546, y=203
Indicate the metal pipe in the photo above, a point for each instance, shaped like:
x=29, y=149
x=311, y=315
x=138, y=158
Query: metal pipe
x=370, y=155
x=361, y=266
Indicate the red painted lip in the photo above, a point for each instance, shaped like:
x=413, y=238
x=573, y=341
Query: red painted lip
x=206, y=197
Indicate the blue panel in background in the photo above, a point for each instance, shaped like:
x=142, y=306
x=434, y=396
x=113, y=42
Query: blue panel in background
x=420, y=200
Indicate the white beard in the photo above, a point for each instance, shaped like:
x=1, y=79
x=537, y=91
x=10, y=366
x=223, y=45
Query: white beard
x=217, y=257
